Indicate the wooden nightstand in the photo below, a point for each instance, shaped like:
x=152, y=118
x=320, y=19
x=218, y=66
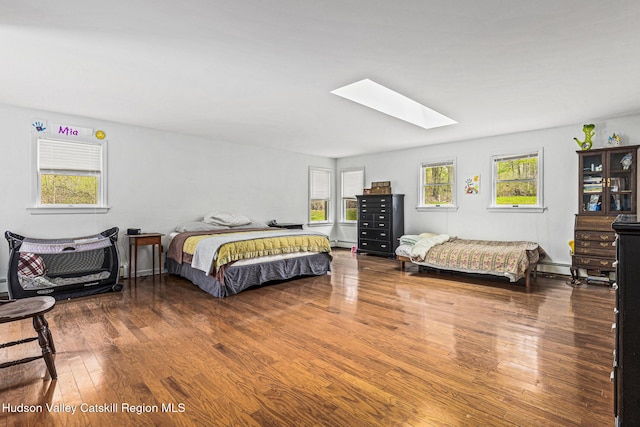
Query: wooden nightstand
x=136, y=240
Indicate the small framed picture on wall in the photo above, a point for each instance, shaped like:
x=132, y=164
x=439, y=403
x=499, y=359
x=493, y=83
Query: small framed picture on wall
x=472, y=184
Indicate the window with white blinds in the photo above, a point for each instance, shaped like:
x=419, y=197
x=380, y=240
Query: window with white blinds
x=319, y=195
x=352, y=184
x=70, y=156
x=70, y=174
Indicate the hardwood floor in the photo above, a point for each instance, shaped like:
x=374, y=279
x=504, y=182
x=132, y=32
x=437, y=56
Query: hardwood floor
x=366, y=345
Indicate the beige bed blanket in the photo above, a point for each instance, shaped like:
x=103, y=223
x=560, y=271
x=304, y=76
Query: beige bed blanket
x=502, y=258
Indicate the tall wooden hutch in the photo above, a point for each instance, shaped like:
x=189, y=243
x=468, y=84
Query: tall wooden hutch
x=607, y=187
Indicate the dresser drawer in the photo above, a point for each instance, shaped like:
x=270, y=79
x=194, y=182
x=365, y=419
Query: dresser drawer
x=375, y=234
x=375, y=200
x=375, y=225
x=372, y=245
x=595, y=251
x=592, y=262
x=365, y=223
x=382, y=217
x=596, y=236
x=594, y=244
x=365, y=217
x=375, y=206
x=383, y=214
x=594, y=223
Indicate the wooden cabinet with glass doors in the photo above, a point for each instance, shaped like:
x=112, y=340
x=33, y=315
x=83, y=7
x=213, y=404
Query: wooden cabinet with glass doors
x=607, y=187
x=608, y=181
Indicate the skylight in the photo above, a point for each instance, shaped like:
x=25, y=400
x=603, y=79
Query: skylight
x=385, y=100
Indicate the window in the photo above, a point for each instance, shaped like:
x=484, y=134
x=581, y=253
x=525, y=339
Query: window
x=517, y=180
x=438, y=185
x=319, y=195
x=352, y=185
x=70, y=174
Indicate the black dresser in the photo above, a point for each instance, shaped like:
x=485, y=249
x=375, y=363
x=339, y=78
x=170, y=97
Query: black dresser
x=626, y=364
x=380, y=223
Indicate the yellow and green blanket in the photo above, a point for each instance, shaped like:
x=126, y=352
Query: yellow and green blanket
x=211, y=251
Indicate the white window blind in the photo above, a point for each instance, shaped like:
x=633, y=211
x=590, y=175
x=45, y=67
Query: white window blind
x=68, y=155
x=320, y=184
x=504, y=158
x=352, y=183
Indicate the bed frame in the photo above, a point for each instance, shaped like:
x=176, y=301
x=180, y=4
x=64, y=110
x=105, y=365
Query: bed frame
x=531, y=271
x=239, y=278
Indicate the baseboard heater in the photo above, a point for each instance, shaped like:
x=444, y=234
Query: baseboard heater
x=63, y=268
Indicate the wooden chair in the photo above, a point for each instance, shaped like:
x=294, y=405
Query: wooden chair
x=35, y=308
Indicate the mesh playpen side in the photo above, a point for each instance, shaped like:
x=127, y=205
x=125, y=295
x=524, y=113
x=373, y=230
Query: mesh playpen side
x=63, y=268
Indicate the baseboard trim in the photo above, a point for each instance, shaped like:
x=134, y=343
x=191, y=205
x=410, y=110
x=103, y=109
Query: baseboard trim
x=345, y=244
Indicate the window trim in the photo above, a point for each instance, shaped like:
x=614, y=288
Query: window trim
x=330, y=214
x=539, y=206
x=38, y=208
x=343, y=199
x=452, y=207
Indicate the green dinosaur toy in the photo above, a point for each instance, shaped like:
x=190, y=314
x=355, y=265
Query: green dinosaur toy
x=588, y=134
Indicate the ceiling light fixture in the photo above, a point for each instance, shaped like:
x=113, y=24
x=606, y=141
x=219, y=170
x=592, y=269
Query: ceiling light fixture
x=385, y=100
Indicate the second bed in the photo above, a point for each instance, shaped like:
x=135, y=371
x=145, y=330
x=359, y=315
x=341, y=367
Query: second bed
x=512, y=259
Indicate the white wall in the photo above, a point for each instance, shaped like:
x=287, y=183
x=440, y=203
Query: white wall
x=553, y=228
x=157, y=180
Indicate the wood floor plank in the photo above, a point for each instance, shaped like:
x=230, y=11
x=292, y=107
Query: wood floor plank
x=368, y=344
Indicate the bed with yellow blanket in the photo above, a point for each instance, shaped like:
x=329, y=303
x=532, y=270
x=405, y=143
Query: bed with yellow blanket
x=224, y=262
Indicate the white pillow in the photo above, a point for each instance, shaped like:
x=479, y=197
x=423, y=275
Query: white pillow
x=224, y=218
x=426, y=235
x=198, y=226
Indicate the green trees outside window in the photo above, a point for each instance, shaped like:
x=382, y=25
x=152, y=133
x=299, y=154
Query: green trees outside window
x=68, y=189
x=319, y=210
x=438, y=183
x=351, y=210
x=516, y=180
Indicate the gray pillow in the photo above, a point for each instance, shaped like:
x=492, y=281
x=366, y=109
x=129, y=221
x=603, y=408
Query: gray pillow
x=225, y=218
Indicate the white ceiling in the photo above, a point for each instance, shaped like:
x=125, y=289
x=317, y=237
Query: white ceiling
x=260, y=72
